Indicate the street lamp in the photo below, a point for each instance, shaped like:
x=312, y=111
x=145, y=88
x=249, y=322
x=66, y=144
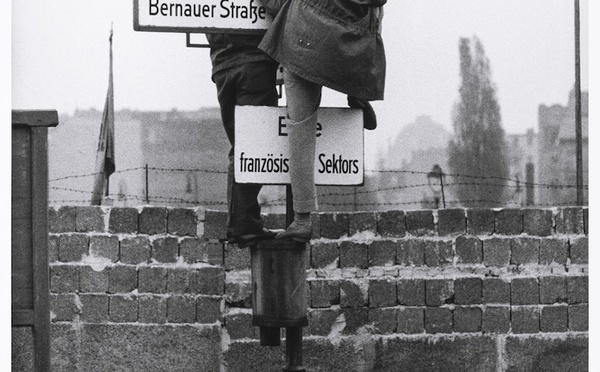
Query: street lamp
x=436, y=180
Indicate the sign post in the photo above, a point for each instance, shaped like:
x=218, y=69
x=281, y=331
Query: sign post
x=261, y=155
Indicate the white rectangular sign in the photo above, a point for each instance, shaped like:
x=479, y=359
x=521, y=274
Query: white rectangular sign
x=262, y=149
x=201, y=16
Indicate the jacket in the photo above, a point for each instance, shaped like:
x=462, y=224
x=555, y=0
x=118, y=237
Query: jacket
x=229, y=50
x=334, y=43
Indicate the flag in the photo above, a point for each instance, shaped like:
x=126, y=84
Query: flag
x=105, y=155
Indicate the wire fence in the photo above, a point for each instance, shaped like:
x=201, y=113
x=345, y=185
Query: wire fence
x=383, y=189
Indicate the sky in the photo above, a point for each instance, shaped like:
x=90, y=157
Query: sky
x=60, y=59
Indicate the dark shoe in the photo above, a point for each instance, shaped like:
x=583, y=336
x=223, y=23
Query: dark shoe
x=369, y=117
x=299, y=231
x=247, y=240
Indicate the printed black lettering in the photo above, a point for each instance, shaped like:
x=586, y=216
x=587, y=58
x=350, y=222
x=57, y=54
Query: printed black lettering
x=322, y=168
x=281, y=126
x=153, y=7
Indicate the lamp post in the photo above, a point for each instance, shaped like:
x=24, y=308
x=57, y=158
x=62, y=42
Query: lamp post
x=436, y=179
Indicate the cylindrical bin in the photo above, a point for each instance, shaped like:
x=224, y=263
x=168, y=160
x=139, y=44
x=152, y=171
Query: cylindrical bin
x=279, y=284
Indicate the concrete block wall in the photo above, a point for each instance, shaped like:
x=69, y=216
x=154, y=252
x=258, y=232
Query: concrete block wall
x=152, y=288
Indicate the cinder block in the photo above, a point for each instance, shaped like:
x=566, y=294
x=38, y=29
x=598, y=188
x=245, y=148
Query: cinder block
x=72, y=247
x=334, y=225
x=553, y=289
x=182, y=222
x=577, y=289
x=452, y=221
x=64, y=307
x=238, y=294
x=438, y=253
x=411, y=320
x=525, y=251
x=123, y=220
x=123, y=309
x=496, y=291
x=193, y=250
x=324, y=293
x=53, y=248
x=439, y=292
x=153, y=220
x=496, y=252
x=239, y=325
x=62, y=219
x=420, y=223
x=135, y=250
x=152, y=309
x=351, y=294
x=524, y=291
x=382, y=253
x=578, y=318
x=554, y=319
x=480, y=221
x=537, y=222
x=236, y=258
x=89, y=219
x=411, y=292
x=467, y=319
x=570, y=221
x=468, y=291
x=165, y=249
x=539, y=352
x=322, y=321
x=553, y=251
x=93, y=280
x=152, y=279
x=496, y=319
x=94, y=308
x=324, y=255
x=122, y=279
x=438, y=320
x=391, y=224
x=361, y=221
x=215, y=224
x=64, y=279
x=382, y=293
x=274, y=221
x=509, y=221
x=411, y=252
x=315, y=219
x=469, y=250
x=383, y=320
x=208, y=281
x=354, y=255
x=208, y=310
x=216, y=253
x=355, y=319
x=525, y=319
x=178, y=280
x=106, y=246
x=579, y=250
x=181, y=309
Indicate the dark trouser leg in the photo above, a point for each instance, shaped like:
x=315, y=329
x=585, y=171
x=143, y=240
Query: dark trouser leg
x=247, y=84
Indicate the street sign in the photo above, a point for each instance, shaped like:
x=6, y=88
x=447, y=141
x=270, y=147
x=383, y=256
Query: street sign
x=201, y=16
x=262, y=149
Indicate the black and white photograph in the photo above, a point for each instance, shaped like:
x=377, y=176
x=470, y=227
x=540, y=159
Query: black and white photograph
x=299, y=185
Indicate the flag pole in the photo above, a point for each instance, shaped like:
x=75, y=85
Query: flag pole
x=105, y=155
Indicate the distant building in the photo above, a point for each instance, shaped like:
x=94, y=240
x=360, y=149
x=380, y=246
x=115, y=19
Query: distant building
x=522, y=151
x=556, y=152
x=185, y=154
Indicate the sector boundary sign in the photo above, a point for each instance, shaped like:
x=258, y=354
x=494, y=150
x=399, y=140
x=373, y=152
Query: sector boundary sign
x=262, y=150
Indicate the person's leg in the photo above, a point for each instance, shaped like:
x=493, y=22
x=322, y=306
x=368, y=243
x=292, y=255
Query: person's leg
x=303, y=99
x=248, y=84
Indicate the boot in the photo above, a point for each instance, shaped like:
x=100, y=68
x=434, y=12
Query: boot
x=300, y=230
